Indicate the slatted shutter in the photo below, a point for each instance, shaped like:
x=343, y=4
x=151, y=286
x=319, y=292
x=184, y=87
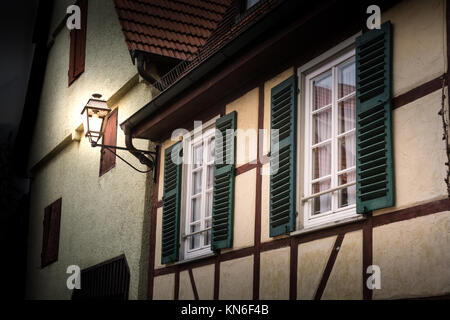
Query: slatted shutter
x=78, y=45
x=224, y=174
x=50, y=243
x=171, y=205
x=283, y=157
x=107, y=158
x=374, y=159
x=109, y=280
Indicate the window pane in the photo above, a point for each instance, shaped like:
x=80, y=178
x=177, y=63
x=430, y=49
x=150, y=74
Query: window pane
x=209, y=203
x=195, y=239
x=198, y=156
x=210, y=180
x=347, y=114
x=322, y=126
x=322, y=92
x=196, y=207
x=196, y=182
x=322, y=203
x=207, y=234
x=347, y=196
x=347, y=149
x=321, y=161
x=211, y=149
x=346, y=75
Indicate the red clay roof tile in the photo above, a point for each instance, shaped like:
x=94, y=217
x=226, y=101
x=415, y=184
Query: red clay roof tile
x=176, y=29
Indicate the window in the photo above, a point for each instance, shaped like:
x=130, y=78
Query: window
x=199, y=194
x=198, y=198
x=330, y=144
x=50, y=239
x=107, y=158
x=78, y=45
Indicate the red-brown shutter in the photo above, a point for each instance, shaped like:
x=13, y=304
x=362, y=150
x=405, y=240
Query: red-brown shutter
x=50, y=243
x=107, y=158
x=78, y=45
x=73, y=40
x=45, y=234
x=81, y=40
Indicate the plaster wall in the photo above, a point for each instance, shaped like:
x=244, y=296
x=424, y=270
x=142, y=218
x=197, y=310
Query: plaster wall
x=345, y=281
x=102, y=217
x=274, y=275
x=204, y=281
x=108, y=67
x=312, y=260
x=236, y=279
x=414, y=257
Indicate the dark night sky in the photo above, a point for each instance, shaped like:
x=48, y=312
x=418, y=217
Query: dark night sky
x=16, y=30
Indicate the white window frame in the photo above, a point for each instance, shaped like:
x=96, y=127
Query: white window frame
x=189, y=141
x=332, y=58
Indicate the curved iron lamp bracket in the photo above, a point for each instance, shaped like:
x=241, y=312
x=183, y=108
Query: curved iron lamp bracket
x=145, y=157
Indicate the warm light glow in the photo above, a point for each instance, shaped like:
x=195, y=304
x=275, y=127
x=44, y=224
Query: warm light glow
x=94, y=114
x=95, y=123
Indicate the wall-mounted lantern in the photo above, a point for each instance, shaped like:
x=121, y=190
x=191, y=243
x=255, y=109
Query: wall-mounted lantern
x=94, y=115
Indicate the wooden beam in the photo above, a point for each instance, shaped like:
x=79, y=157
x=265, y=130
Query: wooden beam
x=293, y=265
x=367, y=257
x=329, y=267
x=194, y=287
x=154, y=211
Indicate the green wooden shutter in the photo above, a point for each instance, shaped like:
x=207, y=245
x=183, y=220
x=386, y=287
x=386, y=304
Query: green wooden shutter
x=171, y=206
x=282, y=182
x=374, y=157
x=224, y=173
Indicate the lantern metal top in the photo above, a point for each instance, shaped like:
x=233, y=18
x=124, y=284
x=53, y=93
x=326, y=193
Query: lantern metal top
x=97, y=106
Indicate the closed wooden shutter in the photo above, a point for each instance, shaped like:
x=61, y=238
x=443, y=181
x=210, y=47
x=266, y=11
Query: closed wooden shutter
x=374, y=159
x=50, y=243
x=73, y=44
x=171, y=205
x=283, y=157
x=78, y=45
x=224, y=174
x=107, y=158
x=109, y=280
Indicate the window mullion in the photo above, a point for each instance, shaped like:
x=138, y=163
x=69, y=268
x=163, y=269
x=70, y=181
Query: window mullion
x=188, y=214
x=334, y=148
x=204, y=181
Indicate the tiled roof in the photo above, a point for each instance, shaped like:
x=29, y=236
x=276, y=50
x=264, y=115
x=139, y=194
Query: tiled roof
x=171, y=28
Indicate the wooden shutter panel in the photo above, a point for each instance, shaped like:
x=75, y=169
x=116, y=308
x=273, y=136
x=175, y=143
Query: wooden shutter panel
x=374, y=159
x=107, y=158
x=81, y=40
x=50, y=244
x=73, y=40
x=224, y=174
x=78, y=45
x=282, y=182
x=46, y=231
x=171, y=206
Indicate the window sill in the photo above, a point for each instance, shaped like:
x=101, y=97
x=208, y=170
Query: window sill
x=204, y=256
x=329, y=225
